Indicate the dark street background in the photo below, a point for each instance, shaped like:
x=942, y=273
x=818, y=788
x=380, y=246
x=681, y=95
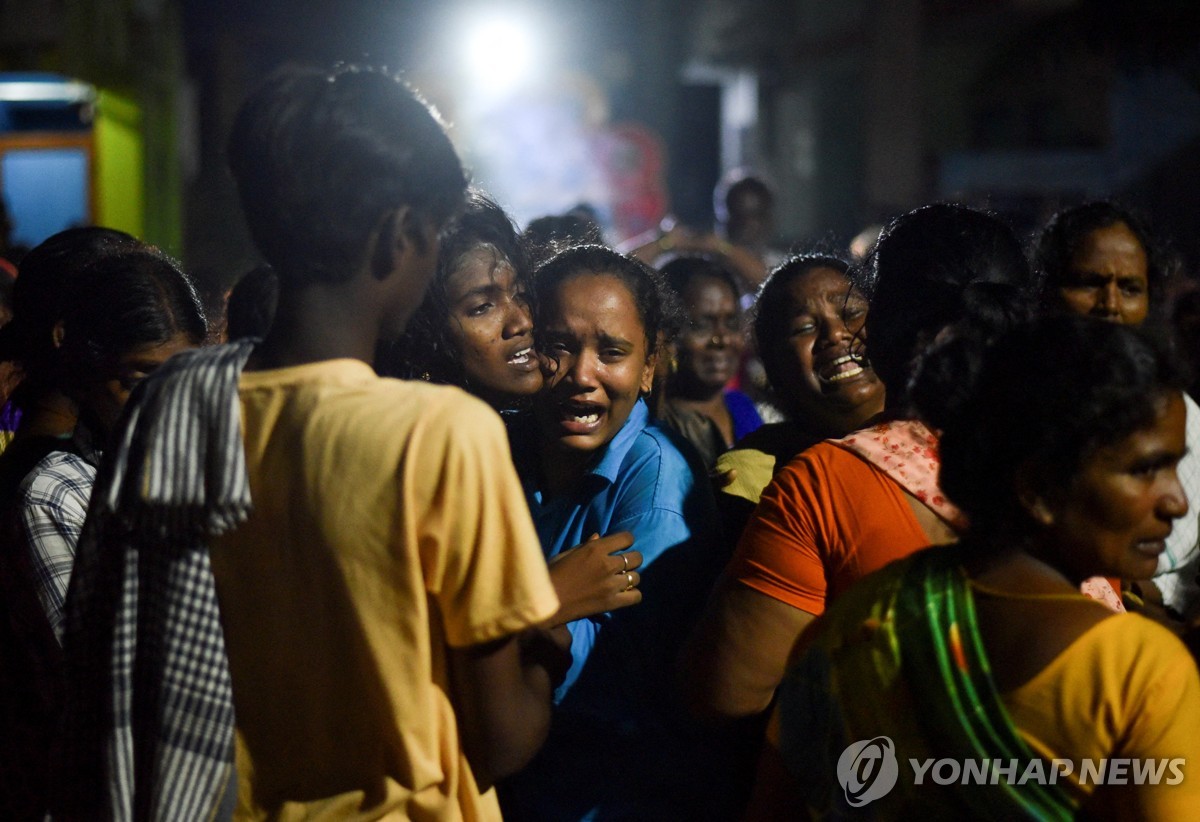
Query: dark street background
x=854, y=110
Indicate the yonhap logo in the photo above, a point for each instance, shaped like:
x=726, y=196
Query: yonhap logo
x=867, y=770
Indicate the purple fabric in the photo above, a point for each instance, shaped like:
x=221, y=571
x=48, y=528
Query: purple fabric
x=10, y=417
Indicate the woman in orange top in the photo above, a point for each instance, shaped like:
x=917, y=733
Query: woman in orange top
x=845, y=508
x=982, y=683
x=834, y=514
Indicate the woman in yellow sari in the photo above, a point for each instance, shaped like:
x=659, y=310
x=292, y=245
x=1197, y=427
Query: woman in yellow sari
x=974, y=680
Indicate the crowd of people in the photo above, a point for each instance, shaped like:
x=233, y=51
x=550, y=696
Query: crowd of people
x=459, y=522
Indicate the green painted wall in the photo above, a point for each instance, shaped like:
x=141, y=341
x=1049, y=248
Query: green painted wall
x=120, y=164
x=133, y=51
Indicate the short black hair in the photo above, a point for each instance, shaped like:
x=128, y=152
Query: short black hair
x=1051, y=391
x=252, y=303
x=735, y=185
x=657, y=306
x=319, y=158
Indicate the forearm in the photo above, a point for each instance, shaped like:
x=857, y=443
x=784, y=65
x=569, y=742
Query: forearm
x=503, y=692
x=719, y=684
x=738, y=653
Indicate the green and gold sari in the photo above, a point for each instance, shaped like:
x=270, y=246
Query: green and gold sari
x=900, y=656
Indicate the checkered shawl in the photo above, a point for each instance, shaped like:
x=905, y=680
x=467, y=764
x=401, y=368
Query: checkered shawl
x=149, y=712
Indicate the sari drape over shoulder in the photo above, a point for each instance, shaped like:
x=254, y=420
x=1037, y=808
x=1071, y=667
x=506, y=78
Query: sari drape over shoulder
x=907, y=451
x=901, y=657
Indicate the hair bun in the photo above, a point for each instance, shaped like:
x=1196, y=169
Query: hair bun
x=946, y=374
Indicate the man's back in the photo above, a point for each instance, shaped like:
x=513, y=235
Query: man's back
x=387, y=524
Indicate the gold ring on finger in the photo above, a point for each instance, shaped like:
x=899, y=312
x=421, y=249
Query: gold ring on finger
x=629, y=579
x=624, y=563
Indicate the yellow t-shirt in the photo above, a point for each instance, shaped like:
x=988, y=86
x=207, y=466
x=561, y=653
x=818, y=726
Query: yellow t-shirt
x=1125, y=689
x=388, y=524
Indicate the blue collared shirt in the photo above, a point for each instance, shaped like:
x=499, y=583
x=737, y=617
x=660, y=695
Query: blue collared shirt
x=619, y=694
x=642, y=483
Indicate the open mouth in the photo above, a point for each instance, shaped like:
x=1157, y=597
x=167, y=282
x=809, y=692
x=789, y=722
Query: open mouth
x=523, y=359
x=845, y=367
x=580, y=417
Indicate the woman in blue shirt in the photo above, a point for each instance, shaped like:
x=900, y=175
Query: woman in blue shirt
x=474, y=329
x=594, y=463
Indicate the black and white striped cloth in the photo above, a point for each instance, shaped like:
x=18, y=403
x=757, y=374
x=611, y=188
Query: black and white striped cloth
x=149, y=725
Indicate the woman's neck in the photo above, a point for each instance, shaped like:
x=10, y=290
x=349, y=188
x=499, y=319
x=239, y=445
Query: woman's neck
x=561, y=468
x=712, y=407
x=825, y=425
x=1015, y=564
x=683, y=386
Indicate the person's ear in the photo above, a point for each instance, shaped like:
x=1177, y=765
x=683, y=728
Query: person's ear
x=1033, y=496
x=58, y=334
x=648, y=373
x=383, y=252
x=400, y=235
x=417, y=232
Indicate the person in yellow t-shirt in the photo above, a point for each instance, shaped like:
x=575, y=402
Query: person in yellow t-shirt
x=381, y=603
x=388, y=530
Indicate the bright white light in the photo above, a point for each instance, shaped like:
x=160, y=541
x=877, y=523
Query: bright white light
x=23, y=91
x=500, y=52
